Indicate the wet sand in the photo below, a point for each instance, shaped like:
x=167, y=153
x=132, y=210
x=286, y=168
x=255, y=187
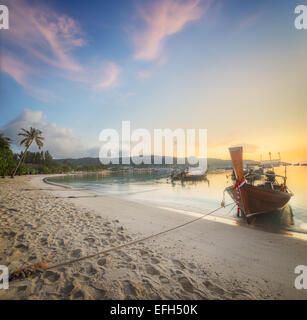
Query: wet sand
x=204, y=260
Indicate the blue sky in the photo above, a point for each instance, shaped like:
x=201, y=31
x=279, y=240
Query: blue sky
x=78, y=67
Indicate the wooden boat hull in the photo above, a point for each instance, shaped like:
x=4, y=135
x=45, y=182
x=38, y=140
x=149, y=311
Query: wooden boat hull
x=259, y=200
x=194, y=177
x=255, y=200
x=184, y=177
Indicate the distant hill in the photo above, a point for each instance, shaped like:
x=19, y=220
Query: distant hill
x=213, y=163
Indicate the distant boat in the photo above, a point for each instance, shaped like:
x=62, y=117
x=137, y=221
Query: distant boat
x=190, y=174
x=271, y=163
x=254, y=200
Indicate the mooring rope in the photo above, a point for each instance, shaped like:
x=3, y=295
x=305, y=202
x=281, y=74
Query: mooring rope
x=129, y=243
x=135, y=241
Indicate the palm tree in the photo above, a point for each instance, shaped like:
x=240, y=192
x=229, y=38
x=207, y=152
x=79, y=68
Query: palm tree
x=4, y=142
x=29, y=136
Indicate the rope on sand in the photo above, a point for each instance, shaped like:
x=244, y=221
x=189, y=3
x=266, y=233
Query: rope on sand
x=42, y=266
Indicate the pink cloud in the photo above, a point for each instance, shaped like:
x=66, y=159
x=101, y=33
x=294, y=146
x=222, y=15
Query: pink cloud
x=16, y=69
x=107, y=76
x=45, y=34
x=47, y=39
x=162, y=19
x=22, y=73
x=250, y=20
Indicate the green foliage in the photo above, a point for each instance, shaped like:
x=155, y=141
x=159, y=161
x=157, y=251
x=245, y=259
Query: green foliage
x=23, y=169
x=7, y=162
x=42, y=162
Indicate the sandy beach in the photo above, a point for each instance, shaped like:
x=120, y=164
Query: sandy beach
x=207, y=259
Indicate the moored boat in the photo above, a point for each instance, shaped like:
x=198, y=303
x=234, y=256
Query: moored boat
x=254, y=200
x=190, y=174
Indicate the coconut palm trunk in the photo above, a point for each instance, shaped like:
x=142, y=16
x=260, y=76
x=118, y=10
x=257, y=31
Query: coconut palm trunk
x=29, y=136
x=20, y=161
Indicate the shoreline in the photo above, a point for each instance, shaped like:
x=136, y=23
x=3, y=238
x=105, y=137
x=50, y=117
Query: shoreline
x=299, y=234
x=205, y=260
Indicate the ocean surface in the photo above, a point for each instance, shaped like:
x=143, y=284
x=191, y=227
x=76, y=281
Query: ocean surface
x=200, y=197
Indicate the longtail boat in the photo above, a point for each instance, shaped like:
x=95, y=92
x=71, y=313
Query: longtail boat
x=254, y=200
x=190, y=174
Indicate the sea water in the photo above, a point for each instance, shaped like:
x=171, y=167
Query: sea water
x=199, y=197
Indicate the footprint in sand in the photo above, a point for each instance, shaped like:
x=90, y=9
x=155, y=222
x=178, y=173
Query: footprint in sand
x=179, y=264
x=78, y=295
x=164, y=279
x=130, y=290
x=102, y=262
x=39, y=284
x=61, y=243
x=76, y=253
x=155, y=260
x=33, y=257
x=91, y=270
x=22, y=247
x=11, y=235
x=213, y=287
x=239, y=292
x=121, y=237
x=44, y=241
x=186, y=284
x=68, y=288
x=89, y=240
x=132, y=266
x=152, y=270
x=192, y=265
x=20, y=237
x=143, y=252
x=21, y=289
x=52, y=276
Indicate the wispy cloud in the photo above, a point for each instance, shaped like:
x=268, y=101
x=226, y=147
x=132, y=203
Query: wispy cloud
x=108, y=75
x=164, y=18
x=45, y=34
x=250, y=20
x=15, y=68
x=47, y=40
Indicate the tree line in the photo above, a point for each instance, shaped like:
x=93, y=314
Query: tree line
x=27, y=162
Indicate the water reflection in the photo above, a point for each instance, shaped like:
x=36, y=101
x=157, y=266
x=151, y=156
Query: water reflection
x=276, y=220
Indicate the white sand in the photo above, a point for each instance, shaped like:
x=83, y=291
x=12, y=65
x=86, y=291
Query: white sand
x=204, y=260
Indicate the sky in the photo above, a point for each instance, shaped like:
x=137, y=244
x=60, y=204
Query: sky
x=236, y=68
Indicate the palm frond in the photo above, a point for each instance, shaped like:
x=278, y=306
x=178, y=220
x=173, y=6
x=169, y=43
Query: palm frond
x=31, y=135
x=25, y=131
x=23, y=134
x=23, y=141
